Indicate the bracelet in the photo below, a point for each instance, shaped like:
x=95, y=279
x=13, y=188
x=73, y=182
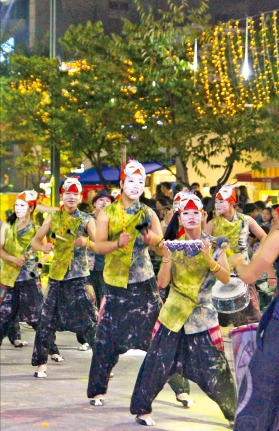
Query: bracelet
x=87, y=242
x=159, y=239
x=272, y=278
x=214, y=267
x=166, y=260
x=118, y=244
x=218, y=269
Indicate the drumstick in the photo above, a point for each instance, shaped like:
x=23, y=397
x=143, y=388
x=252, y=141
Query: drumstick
x=32, y=273
x=55, y=236
x=70, y=232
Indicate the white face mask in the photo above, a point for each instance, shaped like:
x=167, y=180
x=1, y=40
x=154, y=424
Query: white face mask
x=71, y=200
x=102, y=202
x=191, y=219
x=221, y=206
x=21, y=208
x=133, y=186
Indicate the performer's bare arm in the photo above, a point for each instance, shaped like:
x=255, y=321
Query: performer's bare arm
x=39, y=242
x=84, y=241
x=260, y=262
x=221, y=271
x=164, y=274
x=3, y=254
x=102, y=244
x=154, y=235
x=261, y=235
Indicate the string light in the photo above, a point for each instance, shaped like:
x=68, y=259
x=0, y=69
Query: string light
x=246, y=72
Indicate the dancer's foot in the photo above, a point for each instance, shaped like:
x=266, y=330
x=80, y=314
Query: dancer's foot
x=20, y=343
x=41, y=371
x=57, y=358
x=185, y=399
x=145, y=420
x=84, y=347
x=98, y=400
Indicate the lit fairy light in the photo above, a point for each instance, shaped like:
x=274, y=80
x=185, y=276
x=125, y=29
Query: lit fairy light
x=246, y=71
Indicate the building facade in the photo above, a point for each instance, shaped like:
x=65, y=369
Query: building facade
x=31, y=18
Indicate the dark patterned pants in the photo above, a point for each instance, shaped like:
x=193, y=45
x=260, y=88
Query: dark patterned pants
x=196, y=358
x=128, y=318
x=258, y=401
x=97, y=280
x=67, y=307
x=23, y=303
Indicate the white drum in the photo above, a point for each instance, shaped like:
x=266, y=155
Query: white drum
x=243, y=347
x=232, y=297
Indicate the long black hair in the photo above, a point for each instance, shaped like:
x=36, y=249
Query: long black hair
x=172, y=229
x=12, y=217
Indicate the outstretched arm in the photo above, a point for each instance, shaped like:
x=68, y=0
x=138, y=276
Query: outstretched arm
x=260, y=262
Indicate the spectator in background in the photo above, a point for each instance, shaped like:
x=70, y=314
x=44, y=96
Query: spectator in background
x=149, y=202
x=209, y=202
x=196, y=188
x=266, y=218
x=260, y=205
x=163, y=198
x=239, y=208
x=167, y=195
x=251, y=210
x=242, y=195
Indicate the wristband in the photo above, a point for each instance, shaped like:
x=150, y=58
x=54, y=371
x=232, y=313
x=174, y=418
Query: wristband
x=87, y=242
x=216, y=270
x=159, y=239
x=214, y=267
x=118, y=245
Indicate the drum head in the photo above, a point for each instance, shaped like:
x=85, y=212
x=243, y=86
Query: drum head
x=231, y=297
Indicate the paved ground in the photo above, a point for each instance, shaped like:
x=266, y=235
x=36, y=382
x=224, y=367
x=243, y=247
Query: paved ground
x=59, y=403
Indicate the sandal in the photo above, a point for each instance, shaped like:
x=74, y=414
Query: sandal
x=97, y=401
x=185, y=399
x=20, y=343
x=41, y=371
x=57, y=358
x=146, y=421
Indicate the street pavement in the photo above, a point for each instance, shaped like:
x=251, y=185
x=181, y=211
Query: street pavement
x=60, y=403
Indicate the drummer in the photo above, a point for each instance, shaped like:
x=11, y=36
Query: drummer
x=187, y=336
x=236, y=227
x=258, y=401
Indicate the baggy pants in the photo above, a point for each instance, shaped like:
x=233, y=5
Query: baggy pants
x=195, y=357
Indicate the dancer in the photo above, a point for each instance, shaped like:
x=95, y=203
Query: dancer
x=258, y=399
x=188, y=339
x=21, y=298
x=69, y=302
x=96, y=261
x=132, y=302
x=236, y=227
x=100, y=201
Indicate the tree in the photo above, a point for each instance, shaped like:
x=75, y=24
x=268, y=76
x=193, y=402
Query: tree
x=32, y=115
